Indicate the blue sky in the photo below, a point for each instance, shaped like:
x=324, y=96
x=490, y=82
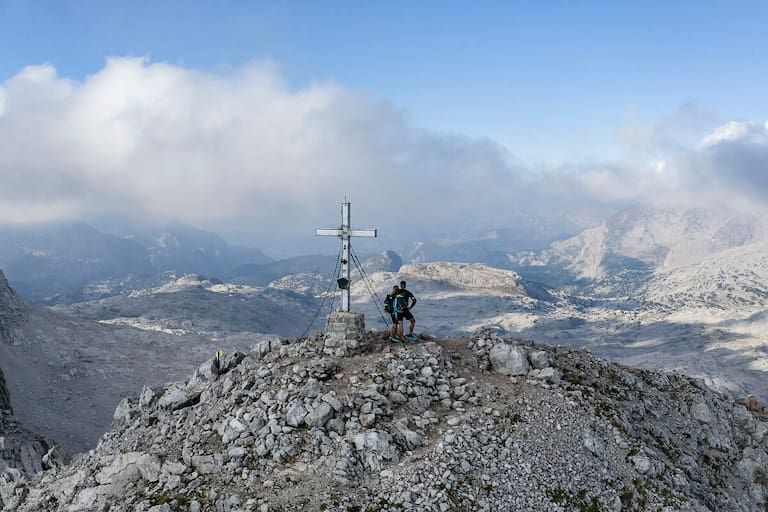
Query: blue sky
x=253, y=117
x=554, y=82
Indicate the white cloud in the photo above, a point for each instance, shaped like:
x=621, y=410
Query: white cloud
x=153, y=140
x=730, y=131
x=725, y=170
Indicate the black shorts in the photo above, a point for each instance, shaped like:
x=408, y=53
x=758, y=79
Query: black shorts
x=404, y=314
x=393, y=316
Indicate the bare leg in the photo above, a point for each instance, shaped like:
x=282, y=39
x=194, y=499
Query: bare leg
x=413, y=324
x=400, y=326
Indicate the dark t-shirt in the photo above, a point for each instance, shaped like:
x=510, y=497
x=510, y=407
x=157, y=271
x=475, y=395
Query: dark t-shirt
x=404, y=298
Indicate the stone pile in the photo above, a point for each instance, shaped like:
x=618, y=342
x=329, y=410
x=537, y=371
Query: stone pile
x=480, y=423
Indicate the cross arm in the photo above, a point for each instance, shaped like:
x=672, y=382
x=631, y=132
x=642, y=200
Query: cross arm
x=370, y=233
x=328, y=232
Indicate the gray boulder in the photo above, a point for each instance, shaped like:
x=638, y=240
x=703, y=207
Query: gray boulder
x=508, y=359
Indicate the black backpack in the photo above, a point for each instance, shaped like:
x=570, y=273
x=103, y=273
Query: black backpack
x=388, y=304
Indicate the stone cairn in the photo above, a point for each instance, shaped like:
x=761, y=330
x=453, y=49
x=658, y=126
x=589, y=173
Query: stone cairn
x=345, y=334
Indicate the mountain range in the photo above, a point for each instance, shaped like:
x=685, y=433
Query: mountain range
x=64, y=263
x=642, y=239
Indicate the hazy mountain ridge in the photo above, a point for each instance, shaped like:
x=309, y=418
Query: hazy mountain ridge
x=63, y=263
x=52, y=259
x=658, y=239
x=263, y=274
x=181, y=248
x=521, y=231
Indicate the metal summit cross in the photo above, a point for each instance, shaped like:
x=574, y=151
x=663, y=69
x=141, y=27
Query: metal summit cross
x=344, y=232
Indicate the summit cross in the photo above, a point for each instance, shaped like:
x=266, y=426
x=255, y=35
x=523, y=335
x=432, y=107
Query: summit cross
x=345, y=232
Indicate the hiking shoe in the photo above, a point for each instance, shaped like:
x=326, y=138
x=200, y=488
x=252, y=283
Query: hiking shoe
x=412, y=337
x=395, y=340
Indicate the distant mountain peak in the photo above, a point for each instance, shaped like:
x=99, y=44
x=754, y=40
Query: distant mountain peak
x=656, y=238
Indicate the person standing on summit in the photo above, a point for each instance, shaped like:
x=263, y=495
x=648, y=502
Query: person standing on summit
x=389, y=307
x=402, y=299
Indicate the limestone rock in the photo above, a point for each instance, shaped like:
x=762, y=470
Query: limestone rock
x=539, y=359
x=508, y=360
x=320, y=415
x=296, y=415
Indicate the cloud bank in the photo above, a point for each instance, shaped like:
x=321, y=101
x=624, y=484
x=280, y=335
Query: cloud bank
x=158, y=142
x=724, y=167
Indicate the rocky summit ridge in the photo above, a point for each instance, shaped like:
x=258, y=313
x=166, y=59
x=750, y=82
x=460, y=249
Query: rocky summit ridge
x=474, y=423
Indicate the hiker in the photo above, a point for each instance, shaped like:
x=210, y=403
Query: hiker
x=404, y=311
x=389, y=307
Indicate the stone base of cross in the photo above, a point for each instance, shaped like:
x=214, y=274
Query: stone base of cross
x=345, y=334
x=345, y=232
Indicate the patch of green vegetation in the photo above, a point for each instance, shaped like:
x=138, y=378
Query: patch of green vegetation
x=558, y=495
x=162, y=499
x=669, y=448
x=644, y=493
x=383, y=504
x=581, y=501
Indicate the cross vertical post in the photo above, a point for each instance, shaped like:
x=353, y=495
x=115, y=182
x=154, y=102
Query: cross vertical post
x=345, y=232
x=345, y=256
